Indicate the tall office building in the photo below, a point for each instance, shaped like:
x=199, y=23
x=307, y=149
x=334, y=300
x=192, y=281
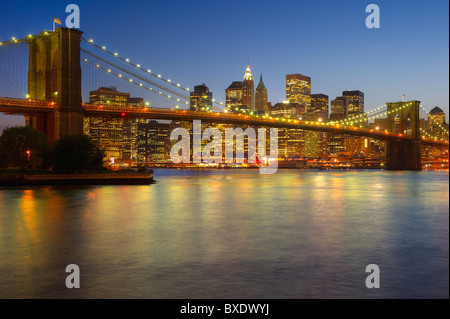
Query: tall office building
x=288, y=110
x=436, y=117
x=107, y=133
x=291, y=142
x=298, y=89
x=436, y=123
x=130, y=130
x=339, y=108
x=234, y=95
x=338, y=112
x=351, y=103
x=248, y=95
x=357, y=146
x=335, y=143
x=261, y=103
x=201, y=98
x=319, y=107
x=108, y=96
x=129, y=140
x=355, y=101
x=316, y=142
x=153, y=141
x=436, y=128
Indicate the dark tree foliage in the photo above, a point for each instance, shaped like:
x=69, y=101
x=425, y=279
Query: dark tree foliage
x=77, y=153
x=24, y=146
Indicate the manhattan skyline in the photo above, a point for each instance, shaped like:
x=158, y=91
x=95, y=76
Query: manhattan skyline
x=212, y=43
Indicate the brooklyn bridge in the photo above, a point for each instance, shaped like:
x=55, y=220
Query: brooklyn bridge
x=55, y=83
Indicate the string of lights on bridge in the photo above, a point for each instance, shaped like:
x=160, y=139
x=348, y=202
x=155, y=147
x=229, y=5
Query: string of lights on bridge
x=135, y=75
x=14, y=40
x=363, y=117
x=355, y=117
x=148, y=71
x=130, y=80
x=430, y=136
x=360, y=118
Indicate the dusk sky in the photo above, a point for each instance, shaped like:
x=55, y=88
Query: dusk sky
x=199, y=41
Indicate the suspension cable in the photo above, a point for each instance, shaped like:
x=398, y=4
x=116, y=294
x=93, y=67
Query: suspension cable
x=353, y=118
x=135, y=75
x=130, y=80
x=148, y=71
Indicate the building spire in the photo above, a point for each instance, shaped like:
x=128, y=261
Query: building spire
x=261, y=83
x=248, y=74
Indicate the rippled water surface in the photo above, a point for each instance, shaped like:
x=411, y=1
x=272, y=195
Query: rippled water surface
x=231, y=234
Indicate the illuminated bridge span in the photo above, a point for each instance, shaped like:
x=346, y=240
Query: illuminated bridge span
x=55, y=86
x=244, y=119
x=23, y=106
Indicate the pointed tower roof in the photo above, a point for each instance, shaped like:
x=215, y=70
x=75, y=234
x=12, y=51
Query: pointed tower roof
x=436, y=110
x=248, y=74
x=261, y=85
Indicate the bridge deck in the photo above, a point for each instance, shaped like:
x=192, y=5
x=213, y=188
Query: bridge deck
x=23, y=106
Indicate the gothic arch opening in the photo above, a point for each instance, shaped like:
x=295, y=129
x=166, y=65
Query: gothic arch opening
x=397, y=124
x=408, y=129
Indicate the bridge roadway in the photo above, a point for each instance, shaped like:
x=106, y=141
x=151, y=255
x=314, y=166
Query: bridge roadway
x=24, y=107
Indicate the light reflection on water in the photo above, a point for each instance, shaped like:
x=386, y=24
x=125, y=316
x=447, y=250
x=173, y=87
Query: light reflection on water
x=231, y=234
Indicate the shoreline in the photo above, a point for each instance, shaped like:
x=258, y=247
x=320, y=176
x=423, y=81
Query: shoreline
x=131, y=177
x=105, y=178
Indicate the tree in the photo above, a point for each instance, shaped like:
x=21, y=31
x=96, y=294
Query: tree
x=77, y=153
x=23, y=145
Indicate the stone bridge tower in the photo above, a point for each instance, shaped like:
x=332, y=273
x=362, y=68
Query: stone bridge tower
x=55, y=75
x=401, y=154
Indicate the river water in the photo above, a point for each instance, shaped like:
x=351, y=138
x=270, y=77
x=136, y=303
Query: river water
x=231, y=234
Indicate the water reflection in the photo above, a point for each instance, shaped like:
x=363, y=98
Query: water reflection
x=231, y=234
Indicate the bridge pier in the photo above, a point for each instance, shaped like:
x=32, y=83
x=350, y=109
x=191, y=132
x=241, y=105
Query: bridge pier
x=403, y=155
x=44, y=123
x=55, y=75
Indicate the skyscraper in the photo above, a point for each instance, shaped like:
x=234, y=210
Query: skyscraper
x=319, y=107
x=316, y=142
x=339, y=108
x=436, y=122
x=201, y=98
x=130, y=130
x=291, y=142
x=298, y=89
x=105, y=132
x=261, y=97
x=153, y=141
x=355, y=101
x=288, y=110
x=335, y=143
x=436, y=116
x=248, y=95
x=339, y=111
x=234, y=95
